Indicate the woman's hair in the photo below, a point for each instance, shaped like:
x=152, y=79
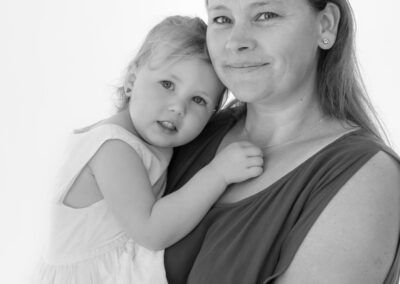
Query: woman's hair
x=339, y=84
x=175, y=38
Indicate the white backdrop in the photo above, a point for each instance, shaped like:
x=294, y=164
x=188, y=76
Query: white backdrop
x=59, y=64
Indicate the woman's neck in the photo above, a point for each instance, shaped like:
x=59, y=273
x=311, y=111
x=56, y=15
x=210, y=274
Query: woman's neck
x=273, y=125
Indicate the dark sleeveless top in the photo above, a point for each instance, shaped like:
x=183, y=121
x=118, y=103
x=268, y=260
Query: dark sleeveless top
x=254, y=240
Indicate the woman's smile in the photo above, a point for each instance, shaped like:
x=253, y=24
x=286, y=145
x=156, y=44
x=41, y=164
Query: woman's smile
x=245, y=67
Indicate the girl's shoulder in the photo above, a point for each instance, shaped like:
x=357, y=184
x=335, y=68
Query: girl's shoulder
x=120, y=119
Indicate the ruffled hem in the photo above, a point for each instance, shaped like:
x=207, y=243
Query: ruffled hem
x=126, y=264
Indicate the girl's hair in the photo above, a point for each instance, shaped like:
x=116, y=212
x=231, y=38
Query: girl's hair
x=339, y=84
x=175, y=38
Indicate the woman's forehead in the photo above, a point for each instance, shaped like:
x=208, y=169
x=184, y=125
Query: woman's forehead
x=243, y=2
x=243, y=5
x=211, y=4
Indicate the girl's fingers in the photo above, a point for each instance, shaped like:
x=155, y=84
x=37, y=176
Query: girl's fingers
x=255, y=161
x=254, y=171
x=254, y=152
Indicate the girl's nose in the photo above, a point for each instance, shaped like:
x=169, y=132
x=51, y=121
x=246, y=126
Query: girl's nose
x=178, y=107
x=240, y=39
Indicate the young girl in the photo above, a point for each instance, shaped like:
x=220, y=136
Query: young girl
x=109, y=223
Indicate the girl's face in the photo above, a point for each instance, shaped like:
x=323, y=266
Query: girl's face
x=264, y=49
x=172, y=102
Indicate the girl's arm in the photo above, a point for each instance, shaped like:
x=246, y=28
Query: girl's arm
x=124, y=183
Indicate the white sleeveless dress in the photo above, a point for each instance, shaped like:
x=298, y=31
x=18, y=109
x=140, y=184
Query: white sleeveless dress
x=87, y=245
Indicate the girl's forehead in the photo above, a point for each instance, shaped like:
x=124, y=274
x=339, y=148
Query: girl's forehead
x=168, y=62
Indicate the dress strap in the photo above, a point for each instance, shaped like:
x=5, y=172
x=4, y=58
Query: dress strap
x=82, y=146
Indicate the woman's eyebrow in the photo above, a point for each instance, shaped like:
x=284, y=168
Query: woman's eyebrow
x=255, y=4
x=264, y=3
x=216, y=7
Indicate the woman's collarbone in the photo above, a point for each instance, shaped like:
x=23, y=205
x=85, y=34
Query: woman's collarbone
x=278, y=163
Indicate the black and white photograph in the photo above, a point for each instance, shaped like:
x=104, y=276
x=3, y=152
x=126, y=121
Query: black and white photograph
x=200, y=142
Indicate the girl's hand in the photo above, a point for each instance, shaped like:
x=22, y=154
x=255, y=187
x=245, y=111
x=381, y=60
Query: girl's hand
x=238, y=162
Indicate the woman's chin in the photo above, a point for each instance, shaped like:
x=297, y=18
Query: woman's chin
x=250, y=92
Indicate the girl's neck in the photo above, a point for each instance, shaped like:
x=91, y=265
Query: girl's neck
x=123, y=120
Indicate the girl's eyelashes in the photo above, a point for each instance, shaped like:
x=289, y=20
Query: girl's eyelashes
x=166, y=84
x=170, y=86
x=199, y=100
x=266, y=16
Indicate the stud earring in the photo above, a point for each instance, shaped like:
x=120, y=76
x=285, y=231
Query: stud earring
x=325, y=41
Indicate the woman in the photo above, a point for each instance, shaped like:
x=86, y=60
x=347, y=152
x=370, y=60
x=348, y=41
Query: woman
x=327, y=207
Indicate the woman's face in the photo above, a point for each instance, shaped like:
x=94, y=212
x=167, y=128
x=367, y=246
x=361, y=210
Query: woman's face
x=264, y=49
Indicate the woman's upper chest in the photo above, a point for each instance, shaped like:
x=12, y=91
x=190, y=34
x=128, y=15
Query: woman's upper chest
x=277, y=165
x=279, y=162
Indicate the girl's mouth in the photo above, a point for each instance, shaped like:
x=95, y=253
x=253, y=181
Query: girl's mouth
x=167, y=125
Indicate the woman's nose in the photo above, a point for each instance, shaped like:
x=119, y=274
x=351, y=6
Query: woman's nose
x=240, y=39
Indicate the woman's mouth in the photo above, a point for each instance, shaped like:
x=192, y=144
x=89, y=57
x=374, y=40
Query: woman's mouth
x=246, y=65
x=243, y=68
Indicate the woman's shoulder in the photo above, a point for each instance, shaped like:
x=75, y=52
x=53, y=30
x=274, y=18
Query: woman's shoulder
x=222, y=119
x=361, y=222
x=344, y=157
x=358, y=143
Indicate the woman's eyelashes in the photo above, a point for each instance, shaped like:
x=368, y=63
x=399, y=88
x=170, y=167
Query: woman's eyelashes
x=166, y=84
x=266, y=16
x=260, y=17
x=220, y=20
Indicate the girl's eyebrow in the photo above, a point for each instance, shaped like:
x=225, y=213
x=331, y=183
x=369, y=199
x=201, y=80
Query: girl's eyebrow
x=175, y=77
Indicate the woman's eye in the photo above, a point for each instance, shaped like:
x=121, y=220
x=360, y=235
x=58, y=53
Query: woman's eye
x=265, y=16
x=167, y=84
x=199, y=100
x=222, y=20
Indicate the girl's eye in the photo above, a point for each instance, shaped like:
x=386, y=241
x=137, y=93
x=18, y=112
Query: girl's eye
x=199, y=100
x=167, y=84
x=222, y=20
x=265, y=16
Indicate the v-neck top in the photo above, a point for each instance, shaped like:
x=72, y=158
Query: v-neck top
x=255, y=239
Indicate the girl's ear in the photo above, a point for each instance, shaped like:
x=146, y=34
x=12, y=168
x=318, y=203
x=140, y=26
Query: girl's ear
x=128, y=83
x=329, y=22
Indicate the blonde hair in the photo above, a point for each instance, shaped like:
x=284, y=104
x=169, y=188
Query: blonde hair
x=177, y=37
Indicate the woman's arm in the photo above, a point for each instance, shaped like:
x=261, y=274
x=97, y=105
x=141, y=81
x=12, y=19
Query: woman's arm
x=124, y=183
x=354, y=240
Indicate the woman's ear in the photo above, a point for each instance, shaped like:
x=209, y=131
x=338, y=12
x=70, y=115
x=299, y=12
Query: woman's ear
x=329, y=23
